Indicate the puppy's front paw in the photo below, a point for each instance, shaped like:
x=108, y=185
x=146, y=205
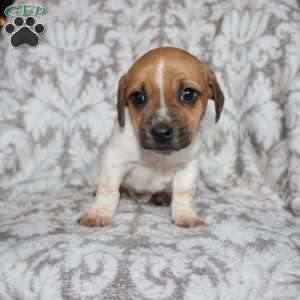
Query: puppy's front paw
x=186, y=221
x=94, y=219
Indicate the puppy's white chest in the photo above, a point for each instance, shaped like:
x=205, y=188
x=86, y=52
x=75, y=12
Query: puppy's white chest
x=148, y=179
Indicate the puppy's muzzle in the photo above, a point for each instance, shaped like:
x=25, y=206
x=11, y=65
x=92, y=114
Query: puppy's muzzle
x=162, y=133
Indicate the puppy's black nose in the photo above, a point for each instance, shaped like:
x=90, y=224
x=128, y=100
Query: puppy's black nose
x=162, y=132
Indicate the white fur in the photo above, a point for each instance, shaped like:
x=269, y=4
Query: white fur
x=126, y=163
x=163, y=112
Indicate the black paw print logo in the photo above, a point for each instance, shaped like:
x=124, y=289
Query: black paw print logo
x=24, y=32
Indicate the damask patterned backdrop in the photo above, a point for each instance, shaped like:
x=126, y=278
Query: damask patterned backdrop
x=57, y=109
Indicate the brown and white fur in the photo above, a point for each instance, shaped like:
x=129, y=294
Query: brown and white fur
x=138, y=161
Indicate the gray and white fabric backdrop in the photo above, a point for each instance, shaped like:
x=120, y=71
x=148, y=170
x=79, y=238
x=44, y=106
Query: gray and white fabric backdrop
x=57, y=108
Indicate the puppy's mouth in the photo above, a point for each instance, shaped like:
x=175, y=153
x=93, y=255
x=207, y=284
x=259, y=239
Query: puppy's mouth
x=165, y=148
x=162, y=149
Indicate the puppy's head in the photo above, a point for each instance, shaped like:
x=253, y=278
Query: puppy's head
x=166, y=91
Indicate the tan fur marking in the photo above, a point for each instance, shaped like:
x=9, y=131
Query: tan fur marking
x=188, y=221
x=95, y=219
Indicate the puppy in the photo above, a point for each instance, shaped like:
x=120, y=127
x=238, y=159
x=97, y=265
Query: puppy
x=155, y=147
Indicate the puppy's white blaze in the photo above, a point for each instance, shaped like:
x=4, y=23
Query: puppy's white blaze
x=160, y=84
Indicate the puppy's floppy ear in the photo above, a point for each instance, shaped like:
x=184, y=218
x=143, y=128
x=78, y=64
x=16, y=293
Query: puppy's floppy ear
x=215, y=93
x=121, y=101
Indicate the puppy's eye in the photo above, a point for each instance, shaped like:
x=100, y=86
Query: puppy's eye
x=138, y=98
x=188, y=95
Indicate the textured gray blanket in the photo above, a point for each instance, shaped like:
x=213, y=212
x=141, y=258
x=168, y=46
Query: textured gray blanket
x=57, y=108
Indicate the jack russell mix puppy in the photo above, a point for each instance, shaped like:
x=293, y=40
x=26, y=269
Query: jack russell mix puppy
x=155, y=147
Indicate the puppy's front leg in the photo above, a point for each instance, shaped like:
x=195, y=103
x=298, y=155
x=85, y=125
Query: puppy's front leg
x=184, y=187
x=107, y=197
